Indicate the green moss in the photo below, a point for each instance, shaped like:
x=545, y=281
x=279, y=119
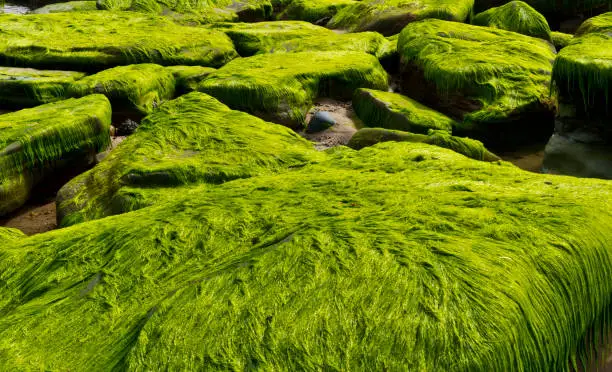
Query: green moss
x=281, y=87
x=515, y=16
x=583, y=70
x=140, y=87
x=494, y=82
x=563, y=8
x=70, y=6
x=191, y=140
x=561, y=40
x=7, y=234
x=314, y=10
x=251, y=38
x=394, y=111
x=94, y=41
x=389, y=17
x=187, y=78
x=26, y=87
x=35, y=140
x=400, y=256
x=466, y=146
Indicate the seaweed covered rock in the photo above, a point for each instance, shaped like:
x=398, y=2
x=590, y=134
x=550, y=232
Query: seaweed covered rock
x=7, y=234
x=515, y=16
x=193, y=139
x=314, y=268
x=69, y=6
x=251, y=38
x=391, y=16
x=552, y=8
x=141, y=87
x=315, y=11
x=495, y=83
x=394, y=111
x=187, y=78
x=466, y=146
x=561, y=40
x=38, y=141
x=94, y=41
x=194, y=11
x=26, y=87
x=281, y=87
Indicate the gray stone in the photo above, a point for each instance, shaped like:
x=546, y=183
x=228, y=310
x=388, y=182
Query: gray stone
x=320, y=121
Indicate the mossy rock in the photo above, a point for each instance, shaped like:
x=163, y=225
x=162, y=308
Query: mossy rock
x=495, y=83
x=315, y=11
x=252, y=38
x=70, y=6
x=94, y=41
x=394, y=111
x=7, y=234
x=141, y=87
x=195, y=11
x=487, y=265
x=37, y=141
x=583, y=70
x=194, y=139
x=26, y=87
x=462, y=145
x=391, y=16
x=281, y=87
x=561, y=40
x=187, y=78
x=515, y=16
x=556, y=8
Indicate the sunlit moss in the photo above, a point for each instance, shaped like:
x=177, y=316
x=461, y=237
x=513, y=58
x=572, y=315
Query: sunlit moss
x=7, y=234
x=561, y=40
x=187, y=78
x=314, y=10
x=69, y=6
x=515, y=16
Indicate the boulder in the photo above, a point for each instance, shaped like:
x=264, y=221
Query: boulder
x=191, y=140
x=26, y=87
x=567, y=154
x=314, y=11
x=36, y=142
x=561, y=40
x=515, y=16
x=494, y=83
x=141, y=87
x=395, y=111
x=320, y=121
x=94, y=41
x=69, y=6
x=281, y=87
x=391, y=16
x=187, y=78
x=553, y=9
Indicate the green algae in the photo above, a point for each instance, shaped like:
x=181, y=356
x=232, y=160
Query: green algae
x=565, y=8
x=390, y=17
x=37, y=140
x=252, y=38
x=469, y=266
x=187, y=78
x=281, y=87
x=141, y=87
x=561, y=40
x=583, y=70
x=94, y=41
x=26, y=87
x=495, y=83
x=466, y=146
x=7, y=234
x=69, y=6
x=313, y=10
x=191, y=140
x=515, y=16
x=394, y=111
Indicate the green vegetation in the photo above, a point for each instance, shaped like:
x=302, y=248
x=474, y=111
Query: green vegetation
x=398, y=256
x=314, y=10
x=251, y=38
x=141, y=87
x=394, y=111
x=191, y=140
x=389, y=17
x=36, y=140
x=187, y=78
x=281, y=87
x=494, y=82
x=26, y=87
x=94, y=41
x=565, y=8
x=70, y=6
x=515, y=16
x=466, y=146
x=583, y=70
x=561, y=40
x=7, y=234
